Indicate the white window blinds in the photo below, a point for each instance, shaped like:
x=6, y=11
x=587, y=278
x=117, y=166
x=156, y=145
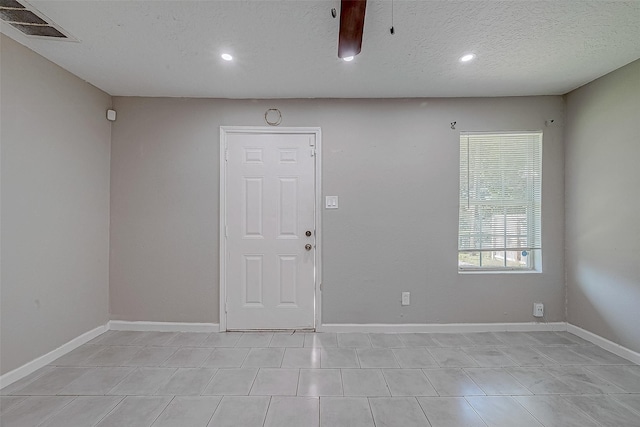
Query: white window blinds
x=500, y=191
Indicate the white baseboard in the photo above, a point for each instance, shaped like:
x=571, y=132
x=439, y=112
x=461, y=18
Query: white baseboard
x=614, y=348
x=122, y=325
x=444, y=327
x=42, y=361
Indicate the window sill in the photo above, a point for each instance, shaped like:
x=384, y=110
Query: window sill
x=505, y=271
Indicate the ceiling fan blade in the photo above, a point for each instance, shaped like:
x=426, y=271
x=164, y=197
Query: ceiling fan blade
x=351, y=27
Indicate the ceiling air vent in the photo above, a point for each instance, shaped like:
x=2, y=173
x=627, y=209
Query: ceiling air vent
x=29, y=21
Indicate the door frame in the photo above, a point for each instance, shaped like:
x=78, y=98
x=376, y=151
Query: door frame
x=228, y=130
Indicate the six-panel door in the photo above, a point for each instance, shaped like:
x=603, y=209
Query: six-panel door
x=270, y=208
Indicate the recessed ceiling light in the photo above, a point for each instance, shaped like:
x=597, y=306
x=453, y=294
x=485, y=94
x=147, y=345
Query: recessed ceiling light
x=468, y=57
x=348, y=58
x=226, y=57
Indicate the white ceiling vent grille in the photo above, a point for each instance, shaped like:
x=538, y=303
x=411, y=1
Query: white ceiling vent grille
x=25, y=18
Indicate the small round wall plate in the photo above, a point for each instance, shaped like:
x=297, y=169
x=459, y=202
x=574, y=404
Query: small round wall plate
x=273, y=117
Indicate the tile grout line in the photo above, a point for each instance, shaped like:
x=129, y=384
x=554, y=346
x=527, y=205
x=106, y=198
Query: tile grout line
x=475, y=382
x=580, y=410
x=423, y=411
x=266, y=413
x=584, y=412
x=209, y=382
x=371, y=410
x=298, y=382
x=215, y=410
x=57, y=411
x=603, y=378
x=528, y=411
x=429, y=382
x=475, y=410
x=254, y=380
x=122, y=398
x=626, y=405
x=163, y=409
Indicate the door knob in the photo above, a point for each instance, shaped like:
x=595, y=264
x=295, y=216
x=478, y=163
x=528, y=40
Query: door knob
x=308, y=247
x=308, y=233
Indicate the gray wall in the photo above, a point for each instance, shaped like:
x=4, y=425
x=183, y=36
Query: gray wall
x=394, y=164
x=55, y=206
x=602, y=207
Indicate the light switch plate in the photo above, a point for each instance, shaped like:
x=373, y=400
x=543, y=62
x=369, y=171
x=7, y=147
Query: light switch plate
x=331, y=202
x=406, y=298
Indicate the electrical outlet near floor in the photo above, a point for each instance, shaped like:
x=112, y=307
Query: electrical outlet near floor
x=538, y=309
x=406, y=298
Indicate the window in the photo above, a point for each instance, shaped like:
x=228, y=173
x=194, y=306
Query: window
x=500, y=200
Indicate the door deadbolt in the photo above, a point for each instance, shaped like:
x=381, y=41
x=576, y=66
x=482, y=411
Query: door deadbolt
x=308, y=247
x=308, y=233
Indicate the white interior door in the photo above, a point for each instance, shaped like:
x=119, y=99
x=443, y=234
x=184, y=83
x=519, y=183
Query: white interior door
x=270, y=218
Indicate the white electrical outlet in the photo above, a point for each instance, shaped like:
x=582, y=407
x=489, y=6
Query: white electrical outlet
x=406, y=298
x=538, y=309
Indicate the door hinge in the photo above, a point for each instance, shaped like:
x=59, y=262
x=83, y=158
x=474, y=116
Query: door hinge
x=226, y=155
x=226, y=231
x=313, y=152
x=226, y=307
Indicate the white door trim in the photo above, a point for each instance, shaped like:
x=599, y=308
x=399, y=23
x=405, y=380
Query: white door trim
x=226, y=130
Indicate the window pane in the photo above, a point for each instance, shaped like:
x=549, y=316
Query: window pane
x=492, y=259
x=468, y=259
x=495, y=259
x=518, y=259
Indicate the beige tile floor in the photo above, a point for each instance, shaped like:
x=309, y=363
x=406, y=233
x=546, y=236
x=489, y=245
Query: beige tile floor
x=161, y=379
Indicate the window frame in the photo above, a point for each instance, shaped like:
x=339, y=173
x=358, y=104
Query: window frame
x=534, y=256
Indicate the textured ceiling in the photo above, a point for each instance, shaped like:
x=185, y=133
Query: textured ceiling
x=288, y=49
